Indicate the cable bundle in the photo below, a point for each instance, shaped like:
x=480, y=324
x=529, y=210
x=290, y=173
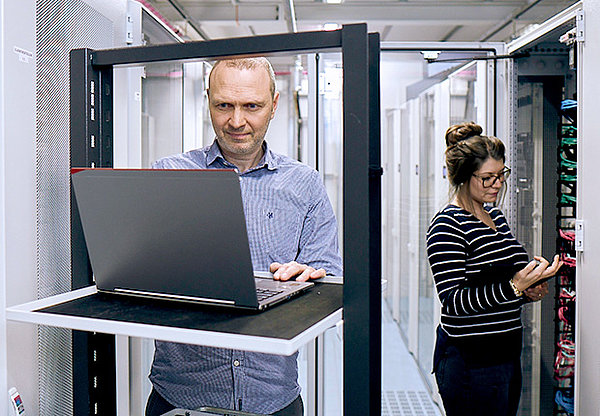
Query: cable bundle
x=568, y=260
x=567, y=235
x=569, y=132
x=565, y=295
x=564, y=398
x=564, y=365
x=568, y=109
x=567, y=155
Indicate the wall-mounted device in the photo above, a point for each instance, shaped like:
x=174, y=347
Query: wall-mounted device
x=16, y=404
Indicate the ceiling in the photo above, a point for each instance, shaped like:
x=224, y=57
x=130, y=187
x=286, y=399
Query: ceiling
x=395, y=20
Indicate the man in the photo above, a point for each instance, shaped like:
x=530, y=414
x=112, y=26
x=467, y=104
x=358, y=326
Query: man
x=292, y=232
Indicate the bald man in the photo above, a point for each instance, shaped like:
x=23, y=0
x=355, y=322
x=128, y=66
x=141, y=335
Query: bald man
x=292, y=232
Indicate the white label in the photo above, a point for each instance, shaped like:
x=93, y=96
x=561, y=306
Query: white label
x=129, y=35
x=24, y=55
x=431, y=55
x=580, y=25
x=578, y=235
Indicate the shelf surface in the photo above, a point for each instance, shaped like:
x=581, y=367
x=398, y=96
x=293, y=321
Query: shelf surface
x=281, y=329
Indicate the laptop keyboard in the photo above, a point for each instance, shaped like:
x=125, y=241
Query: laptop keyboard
x=264, y=294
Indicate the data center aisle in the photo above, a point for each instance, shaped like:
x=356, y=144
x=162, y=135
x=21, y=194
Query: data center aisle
x=403, y=392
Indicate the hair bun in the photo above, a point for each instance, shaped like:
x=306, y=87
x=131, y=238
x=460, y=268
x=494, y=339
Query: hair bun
x=462, y=131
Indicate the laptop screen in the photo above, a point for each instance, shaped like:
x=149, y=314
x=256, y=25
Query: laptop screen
x=173, y=232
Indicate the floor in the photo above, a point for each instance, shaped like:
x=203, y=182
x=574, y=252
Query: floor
x=404, y=392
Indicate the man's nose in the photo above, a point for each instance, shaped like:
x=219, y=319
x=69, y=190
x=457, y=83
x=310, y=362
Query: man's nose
x=238, y=118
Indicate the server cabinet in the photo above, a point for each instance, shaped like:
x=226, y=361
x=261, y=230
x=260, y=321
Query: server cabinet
x=542, y=86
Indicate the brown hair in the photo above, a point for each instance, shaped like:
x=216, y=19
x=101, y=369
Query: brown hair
x=467, y=149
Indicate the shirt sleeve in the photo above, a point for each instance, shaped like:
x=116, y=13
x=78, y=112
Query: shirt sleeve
x=318, y=245
x=447, y=254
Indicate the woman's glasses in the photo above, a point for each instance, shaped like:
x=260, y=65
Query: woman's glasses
x=489, y=180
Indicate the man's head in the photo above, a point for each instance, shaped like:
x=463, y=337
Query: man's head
x=242, y=101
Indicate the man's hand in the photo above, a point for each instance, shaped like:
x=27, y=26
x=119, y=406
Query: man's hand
x=302, y=272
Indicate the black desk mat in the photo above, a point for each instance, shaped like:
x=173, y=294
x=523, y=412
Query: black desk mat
x=284, y=321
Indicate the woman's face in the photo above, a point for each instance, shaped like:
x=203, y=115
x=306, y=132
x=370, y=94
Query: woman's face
x=485, y=184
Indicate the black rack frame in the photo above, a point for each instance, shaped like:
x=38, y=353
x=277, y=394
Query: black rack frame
x=92, y=146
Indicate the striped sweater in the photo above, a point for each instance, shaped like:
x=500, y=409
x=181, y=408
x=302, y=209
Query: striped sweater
x=472, y=265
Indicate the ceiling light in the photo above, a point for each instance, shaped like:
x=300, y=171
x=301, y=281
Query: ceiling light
x=331, y=26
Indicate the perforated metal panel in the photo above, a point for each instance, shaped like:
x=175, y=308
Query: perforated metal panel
x=60, y=26
x=510, y=201
x=407, y=403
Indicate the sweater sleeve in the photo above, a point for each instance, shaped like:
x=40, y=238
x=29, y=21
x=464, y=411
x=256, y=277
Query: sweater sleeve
x=447, y=254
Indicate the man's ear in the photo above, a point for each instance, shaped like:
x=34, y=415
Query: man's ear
x=275, y=103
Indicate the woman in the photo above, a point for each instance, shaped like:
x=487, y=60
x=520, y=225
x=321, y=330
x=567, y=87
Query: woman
x=482, y=276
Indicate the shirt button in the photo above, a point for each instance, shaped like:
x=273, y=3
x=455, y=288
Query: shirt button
x=236, y=363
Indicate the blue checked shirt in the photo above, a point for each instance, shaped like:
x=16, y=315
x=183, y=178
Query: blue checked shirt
x=289, y=217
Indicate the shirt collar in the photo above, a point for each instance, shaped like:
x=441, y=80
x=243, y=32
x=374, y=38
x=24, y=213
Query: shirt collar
x=214, y=153
x=267, y=161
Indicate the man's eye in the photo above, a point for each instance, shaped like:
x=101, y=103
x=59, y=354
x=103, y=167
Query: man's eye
x=252, y=106
x=223, y=106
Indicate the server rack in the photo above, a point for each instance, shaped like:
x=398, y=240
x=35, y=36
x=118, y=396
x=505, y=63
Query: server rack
x=565, y=290
x=92, y=143
x=546, y=79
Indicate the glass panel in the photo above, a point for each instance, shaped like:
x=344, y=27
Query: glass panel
x=462, y=95
x=333, y=372
x=406, y=250
x=419, y=101
x=427, y=209
x=330, y=131
x=330, y=156
x=174, y=121
x=197, y=129
x=390, y=211
x=528, y=163
x=162, y=112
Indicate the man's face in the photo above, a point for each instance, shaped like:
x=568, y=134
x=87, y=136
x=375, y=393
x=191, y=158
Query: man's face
x=241, y=107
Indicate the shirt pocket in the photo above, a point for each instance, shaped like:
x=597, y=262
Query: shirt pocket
x=282, y=229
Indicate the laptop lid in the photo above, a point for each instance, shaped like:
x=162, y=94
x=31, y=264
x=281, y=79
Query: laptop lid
x=167, y=233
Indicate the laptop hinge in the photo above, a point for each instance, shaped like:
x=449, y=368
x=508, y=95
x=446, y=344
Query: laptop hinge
x=171, y=296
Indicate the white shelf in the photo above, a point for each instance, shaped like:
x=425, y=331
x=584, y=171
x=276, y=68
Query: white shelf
x=29, y=313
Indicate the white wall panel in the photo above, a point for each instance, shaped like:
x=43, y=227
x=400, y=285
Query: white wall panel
x=34, y=160
x=19, y=199
x=587, y=382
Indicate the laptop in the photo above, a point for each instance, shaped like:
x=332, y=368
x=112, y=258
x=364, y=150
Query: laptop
x=172, y=234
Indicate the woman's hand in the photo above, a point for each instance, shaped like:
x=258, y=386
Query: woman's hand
x=537, y=292
x=537, y=270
